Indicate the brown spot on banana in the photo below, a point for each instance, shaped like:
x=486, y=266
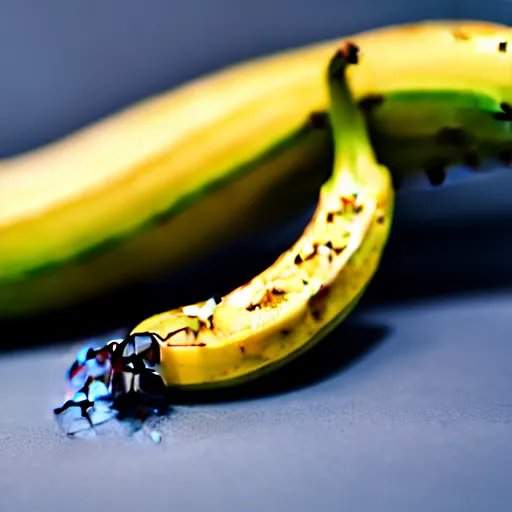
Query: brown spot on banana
x=505, y=114
x=318, y=120
x=370, y=102
x=317, y=302
x=337, y=250
x=452, y=137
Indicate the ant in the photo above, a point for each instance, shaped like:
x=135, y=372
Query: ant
x=102, y=375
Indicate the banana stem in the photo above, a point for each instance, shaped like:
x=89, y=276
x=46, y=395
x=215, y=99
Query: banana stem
x=351, y=139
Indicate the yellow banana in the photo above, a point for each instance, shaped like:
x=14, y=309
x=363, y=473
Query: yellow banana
x=464, y=75
x=309, y=289
x=171, y=178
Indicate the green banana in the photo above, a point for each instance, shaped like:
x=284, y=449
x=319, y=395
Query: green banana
x=170, y=179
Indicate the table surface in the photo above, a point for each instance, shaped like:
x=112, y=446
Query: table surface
x=403, y=408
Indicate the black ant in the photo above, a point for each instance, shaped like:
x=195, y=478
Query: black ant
x=102, y=375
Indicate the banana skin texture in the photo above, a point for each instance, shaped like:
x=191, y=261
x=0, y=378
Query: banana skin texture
x=161, y=183
x=312, y=287
x=167, y=181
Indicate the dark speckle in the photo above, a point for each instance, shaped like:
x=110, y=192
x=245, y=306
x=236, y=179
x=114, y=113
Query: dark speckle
x=505, y=114
x=330, y=217
x=318, y=120
x=312, y=254
x=502, y=47
x=285, y=332
x=169, y=335
x=298, y=259
x=170, y=344
x=242, y=349
x=317, y=302
x=436, y=174
x=452, y=137
x=371, y=101
x=315, y=314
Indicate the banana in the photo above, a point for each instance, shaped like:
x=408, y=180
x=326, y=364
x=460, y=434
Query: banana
x=168, y=180
x=310, y=288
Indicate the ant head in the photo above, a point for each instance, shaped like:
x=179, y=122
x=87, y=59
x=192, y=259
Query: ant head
x=91, y=354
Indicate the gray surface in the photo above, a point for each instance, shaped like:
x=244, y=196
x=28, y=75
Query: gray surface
x=420, y=420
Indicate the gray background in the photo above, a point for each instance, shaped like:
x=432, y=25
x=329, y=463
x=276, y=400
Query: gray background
x=405, y=407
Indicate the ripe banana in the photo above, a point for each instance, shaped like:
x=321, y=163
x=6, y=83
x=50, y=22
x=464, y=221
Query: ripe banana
x=168, y=180
x=310, y=288
x=463, y=74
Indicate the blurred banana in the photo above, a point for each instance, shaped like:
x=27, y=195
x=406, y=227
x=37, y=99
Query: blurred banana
x=172, y=178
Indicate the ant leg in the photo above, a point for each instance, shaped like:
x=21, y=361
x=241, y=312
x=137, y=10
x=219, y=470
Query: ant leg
x=83, y=408
x=83, y=405
x=65, y=406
